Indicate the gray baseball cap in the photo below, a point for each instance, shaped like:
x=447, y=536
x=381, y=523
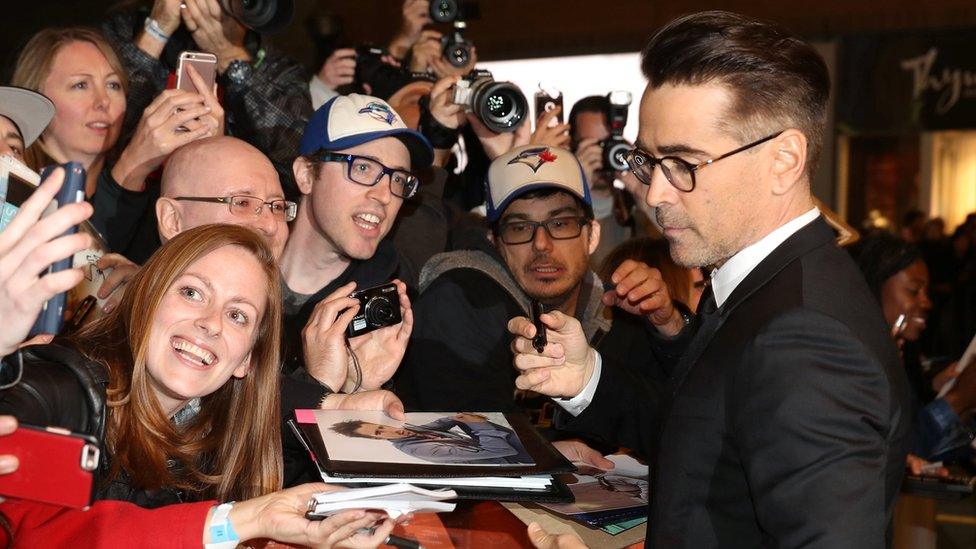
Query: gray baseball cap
x=30, y=111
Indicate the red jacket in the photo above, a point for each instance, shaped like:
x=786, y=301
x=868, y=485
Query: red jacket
x=107, y=523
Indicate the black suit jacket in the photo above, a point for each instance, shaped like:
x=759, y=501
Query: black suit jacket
x=788, y=421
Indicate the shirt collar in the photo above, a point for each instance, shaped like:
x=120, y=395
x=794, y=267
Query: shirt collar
x=737, y=268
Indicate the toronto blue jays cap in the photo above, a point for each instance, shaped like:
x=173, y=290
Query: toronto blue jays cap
x=30, y=111
x=349, y=120
x=532, y=167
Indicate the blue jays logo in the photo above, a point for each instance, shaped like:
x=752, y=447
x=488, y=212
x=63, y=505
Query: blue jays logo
x=379, y=112
x=534, y=158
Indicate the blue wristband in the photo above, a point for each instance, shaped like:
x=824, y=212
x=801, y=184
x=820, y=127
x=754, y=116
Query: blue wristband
x=221, y=530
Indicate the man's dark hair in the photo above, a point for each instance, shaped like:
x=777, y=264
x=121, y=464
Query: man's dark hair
x=776, y=80
x=546, y=192
x=881, y=256
x=590, y=103
x=350, y=428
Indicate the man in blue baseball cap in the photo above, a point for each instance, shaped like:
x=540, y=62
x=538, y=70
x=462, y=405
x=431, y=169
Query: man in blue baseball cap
x=357, y=167
x=541, y=233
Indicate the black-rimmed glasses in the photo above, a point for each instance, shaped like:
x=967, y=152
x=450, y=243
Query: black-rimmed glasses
x=678, y=172
x=558, y=228
x=250, y=206
x=368, y=172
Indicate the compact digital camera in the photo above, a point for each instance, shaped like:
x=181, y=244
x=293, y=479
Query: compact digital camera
x=379, y=307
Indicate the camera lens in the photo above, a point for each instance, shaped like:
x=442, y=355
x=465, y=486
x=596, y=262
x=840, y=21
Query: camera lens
x=500, y=106
x=614, y=155
x=444, y=11
x=459, y=55
x=379, y=311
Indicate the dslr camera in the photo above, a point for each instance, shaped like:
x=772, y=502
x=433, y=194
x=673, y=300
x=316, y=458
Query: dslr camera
x=384, y=79
x=264, y=16
x=615, y=146
x=500, y=106
x=379, y=307
x=454, y=47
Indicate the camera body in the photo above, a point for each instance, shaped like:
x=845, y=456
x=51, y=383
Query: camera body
x=615, y=146
x=456, y=48
x=379, y=307
x=449, y=11
x=500, y=106
x=384, y=79
x=264, y=16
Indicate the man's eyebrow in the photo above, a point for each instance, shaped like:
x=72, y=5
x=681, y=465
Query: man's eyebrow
x=674, y=149
x=564, y=209
x=14, y=135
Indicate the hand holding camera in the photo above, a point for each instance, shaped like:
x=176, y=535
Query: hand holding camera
x=548, y=134
x=377, y=323
x=339, y=69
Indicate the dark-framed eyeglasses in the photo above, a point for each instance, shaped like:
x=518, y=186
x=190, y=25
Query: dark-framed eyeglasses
x=368, y=172
x=678, y=172
x=558, y=228
x=250, y=206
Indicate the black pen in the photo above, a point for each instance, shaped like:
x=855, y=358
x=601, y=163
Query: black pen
x=402, y=543
x=539, y=341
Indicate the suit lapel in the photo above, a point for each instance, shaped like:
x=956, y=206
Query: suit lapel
x=813, y=235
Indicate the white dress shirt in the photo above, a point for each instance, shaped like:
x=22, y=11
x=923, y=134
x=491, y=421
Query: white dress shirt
x=724, y=281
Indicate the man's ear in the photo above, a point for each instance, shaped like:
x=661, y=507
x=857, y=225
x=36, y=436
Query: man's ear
x=242, y=370
x=789, y=160
x=169, y=218
x=594, y=236
x=304, y=174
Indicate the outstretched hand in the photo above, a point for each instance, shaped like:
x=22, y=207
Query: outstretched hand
x=565, y=364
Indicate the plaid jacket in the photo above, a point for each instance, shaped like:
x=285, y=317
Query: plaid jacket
x=269, y=111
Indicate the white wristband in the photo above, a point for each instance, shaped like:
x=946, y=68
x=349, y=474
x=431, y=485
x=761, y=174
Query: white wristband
x=152, y=27
x=222, y=534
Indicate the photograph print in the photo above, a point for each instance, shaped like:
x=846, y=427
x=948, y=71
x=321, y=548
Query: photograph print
x=461, y=438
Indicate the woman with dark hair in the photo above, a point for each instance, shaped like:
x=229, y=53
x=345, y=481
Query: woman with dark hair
x=180, y=384
x=897, y=275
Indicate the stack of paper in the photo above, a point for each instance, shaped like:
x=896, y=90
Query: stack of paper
x=480, y=455
x=395, y=499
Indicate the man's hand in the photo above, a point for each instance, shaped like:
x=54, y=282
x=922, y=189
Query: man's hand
x=416, y=15
x=28, y=246
x=114, y=284
x=215, y=32
x=565, y=364
x=544, y=540
x=339, y=69
x=578, y=451
x=546, y=134
x=380, y=351
x=368, y=401
x=281, y=516
x=324, y=337
x=497, y=144
x=427, y=47
x=468, y=417
x=640, y=290
x=443, y=109
x=590, y=154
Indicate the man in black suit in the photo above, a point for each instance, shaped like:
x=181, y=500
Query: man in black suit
x=788, y=415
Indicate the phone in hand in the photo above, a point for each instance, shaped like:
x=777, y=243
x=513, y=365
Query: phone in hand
x=204, y=63
x=547, y=100
x=56, y=466
x=72, y=190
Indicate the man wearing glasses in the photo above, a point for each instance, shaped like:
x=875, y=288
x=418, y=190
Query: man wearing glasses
x=788, y=422
x=223, y=180
x=541, y=235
